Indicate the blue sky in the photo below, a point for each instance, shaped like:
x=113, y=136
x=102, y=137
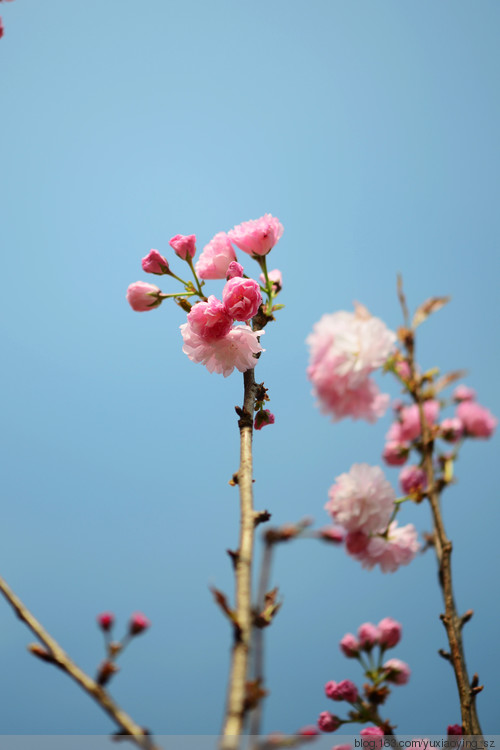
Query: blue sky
x=371, y=131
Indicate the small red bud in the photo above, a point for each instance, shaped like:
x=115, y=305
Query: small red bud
x=138, y=623
x=106, y=620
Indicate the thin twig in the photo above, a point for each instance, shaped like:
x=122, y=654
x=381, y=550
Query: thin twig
x=235, y=707
x=61, y=659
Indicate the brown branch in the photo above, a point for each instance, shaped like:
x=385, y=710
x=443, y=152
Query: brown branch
x=59, y=658
x=235, y=707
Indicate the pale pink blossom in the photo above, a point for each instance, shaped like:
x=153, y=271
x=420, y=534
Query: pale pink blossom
x=464, y=393
x=242, y=298
x=349, y=645
x=210, y=320
x=142, y=296
x=399, y=548
x=345, y=348
x=263, y=418
x=451, y=429
x=362, y=499
x=327, y=722
x=409, y=427
x=236, y=349
x=398, y=671
x=342, y=691
x=477, y=421
x=367, y=635
x=276, y=277
x=155, y=263
x=234, y=269
x=412, y=479
x=390, y=632
x=184, y=245
x=258, y=236
x=395, y=453
x=215, y=258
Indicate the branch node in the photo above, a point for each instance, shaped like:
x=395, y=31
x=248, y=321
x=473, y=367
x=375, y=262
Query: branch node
x=466, y=617
x=234, y=555
x=234, y=479
x=445, y=654
x=261, y=516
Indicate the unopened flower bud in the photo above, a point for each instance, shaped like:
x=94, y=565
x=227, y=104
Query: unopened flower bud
x=451, y=429
x=349, y=646
x=454, y=728
x=234, y=270
x=327, y=722
x=106, y=620
x=184, y=245
x=309, y=731
x=263, y=418
x=333, y=534
x=342, y=691
x=143, y=297
x=37, y=650
x=389, y=632
x=412, y=479
x=368, y=636
x=463, y=393
x=397, y=671
x=395, y=453
x=138, y=623
x=155, y=263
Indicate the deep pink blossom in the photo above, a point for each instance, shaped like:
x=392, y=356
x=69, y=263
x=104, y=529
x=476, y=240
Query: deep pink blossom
x=327, y=722
x=234, y=269
x=373, y=732
x=342, y=747
x=464, y=393
x=258, y=236
x=398, y=671
x=242, y=298
x=454, y=729
x=106, y=621
x=155, y=263
x=396, y=453
x=368, y=635
x=307, y=731
x=184, y=245
x=399, y=548
x=478, y=422
x=138, y=623
x=451, y=429
x=142, y=296
x=215, y=258
x=263, y=418
x=342, y=691
x=361, y=500
x=356, y=542
x=410, y=427
x=349, y=645
x=210, y=320
x=236, y=349
x=275, y=276
x=390, y=632
x=412, y=479
x=345, y=348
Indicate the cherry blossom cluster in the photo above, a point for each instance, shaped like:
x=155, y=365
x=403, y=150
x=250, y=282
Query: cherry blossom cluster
x=345, y=349
x=209, y=334
x=368, y=647
x=364, y=504
x=138, y=623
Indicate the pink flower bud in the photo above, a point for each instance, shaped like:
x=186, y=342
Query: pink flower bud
x=451, y=429
x=478, y=422
x=138, y=623
x=397, y=671
x=234, y=269
x=309, y=731
x=276, y=277
x=412, y=479
x=403, y=369
x=155, y=263
x=463, y=393
x=372, y=732
x=368, y=636
x=327, y=722
x=389, y=632
x=342, y=691
x=263, y=418
x=106, y=620
x=184, y=245
x=210, y=320
x=454, y=728
x=242, y=298
x=333, y=534
x=258, y=236
x=215, y=258
x=396, y=454
x=143, y=297
x=349, y=646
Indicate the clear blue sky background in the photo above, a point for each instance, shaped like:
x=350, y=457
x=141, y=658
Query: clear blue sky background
x=371, y=130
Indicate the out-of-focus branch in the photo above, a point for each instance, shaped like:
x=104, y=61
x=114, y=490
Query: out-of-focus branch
x=55, y=655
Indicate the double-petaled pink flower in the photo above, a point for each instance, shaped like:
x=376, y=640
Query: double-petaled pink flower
x=236, y=349
x=209, y=319
x=362, y=499
x=258, y=236
x=215, y=258
x=241, y=298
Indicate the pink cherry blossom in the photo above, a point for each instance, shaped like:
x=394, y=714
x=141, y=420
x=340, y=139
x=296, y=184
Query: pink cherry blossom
x=361, y=500
x=327, y=722
x=184, y=245
x=395, y=453
x=398, y=671
x=263, y=418
x=307, y=731
x=142, y=296
x=464, y=393
x=236, y=349
x=242, y=298
x=106, y=621
x=399, y=548
x=215, y=258
x=372, y=732
x=390, y=632
x=234, y=269
x=209, y=319
x=155, y=263
x=409, y=426
x=345, y=348
x=356, y=543
x=367, y=635
x=412, y=479
x=258, y=236
x=403, y=369
x=451, y=429
x=342, y=691
x=349, y=645
x=478, y=422
x=275, y=276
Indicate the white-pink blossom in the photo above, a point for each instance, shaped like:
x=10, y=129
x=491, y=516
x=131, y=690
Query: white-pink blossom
x=258, y=236
x=236, y=349
x=215, y=258
x=361, y=500
x=399, y=548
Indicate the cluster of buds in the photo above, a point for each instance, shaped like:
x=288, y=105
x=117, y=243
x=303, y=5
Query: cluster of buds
x=380, y=674
x=210, y=336
x=137, y=624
